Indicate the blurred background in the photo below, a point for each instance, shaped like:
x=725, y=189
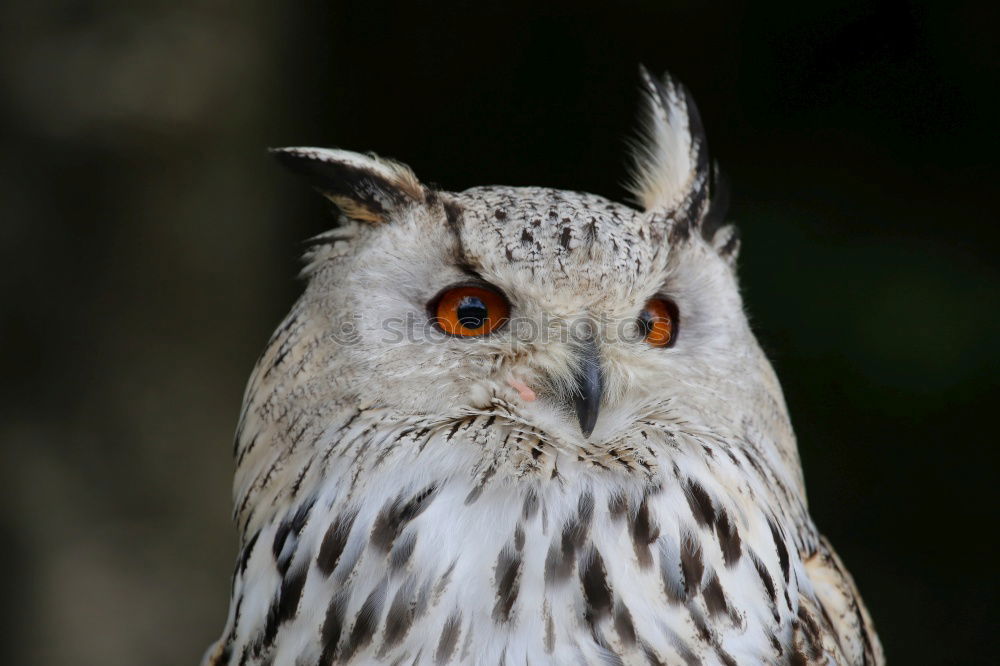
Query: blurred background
x=149, y=246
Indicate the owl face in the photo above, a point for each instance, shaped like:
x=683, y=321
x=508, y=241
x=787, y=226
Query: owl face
x=559, y=312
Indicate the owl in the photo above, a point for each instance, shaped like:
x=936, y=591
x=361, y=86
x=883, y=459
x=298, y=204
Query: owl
x=519, y=425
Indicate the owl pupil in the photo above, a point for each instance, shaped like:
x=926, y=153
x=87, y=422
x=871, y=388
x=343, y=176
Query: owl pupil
x=645, y=323
x=472, y=312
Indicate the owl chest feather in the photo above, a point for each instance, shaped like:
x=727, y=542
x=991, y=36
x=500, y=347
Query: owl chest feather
x=463, y=562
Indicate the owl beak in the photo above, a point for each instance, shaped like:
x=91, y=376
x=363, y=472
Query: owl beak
x=589, y=389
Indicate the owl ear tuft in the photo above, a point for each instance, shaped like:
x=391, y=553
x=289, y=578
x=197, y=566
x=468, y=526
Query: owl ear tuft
x=672, y=174
x=671, y=168
x=366, y=188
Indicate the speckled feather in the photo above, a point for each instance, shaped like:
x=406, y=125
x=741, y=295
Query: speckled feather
x=399, y=502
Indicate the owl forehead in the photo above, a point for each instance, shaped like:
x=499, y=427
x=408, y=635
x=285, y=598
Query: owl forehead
x=581, y=236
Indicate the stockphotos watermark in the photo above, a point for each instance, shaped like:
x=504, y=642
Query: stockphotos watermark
x=546, y=329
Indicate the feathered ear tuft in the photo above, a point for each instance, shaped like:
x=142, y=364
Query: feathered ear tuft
x=671, y=166
x=364, y=187
x=672, y=174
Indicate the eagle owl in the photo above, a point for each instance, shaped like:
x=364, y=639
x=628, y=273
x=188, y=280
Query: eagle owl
x=518, y=425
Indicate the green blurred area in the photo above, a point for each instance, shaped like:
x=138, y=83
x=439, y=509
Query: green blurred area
x=149, y=247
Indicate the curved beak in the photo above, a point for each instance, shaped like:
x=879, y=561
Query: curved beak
x=589, y=388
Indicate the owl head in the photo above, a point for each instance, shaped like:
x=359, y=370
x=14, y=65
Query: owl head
x=563, y=316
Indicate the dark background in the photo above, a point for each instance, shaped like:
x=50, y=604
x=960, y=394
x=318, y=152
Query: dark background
x=149, y=247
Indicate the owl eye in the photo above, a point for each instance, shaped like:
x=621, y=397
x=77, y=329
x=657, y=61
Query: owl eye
x=469, y=310
x=658, y=322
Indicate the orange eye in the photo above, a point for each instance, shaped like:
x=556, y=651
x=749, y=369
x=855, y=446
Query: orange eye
x=469, y=310
x=658, y=322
